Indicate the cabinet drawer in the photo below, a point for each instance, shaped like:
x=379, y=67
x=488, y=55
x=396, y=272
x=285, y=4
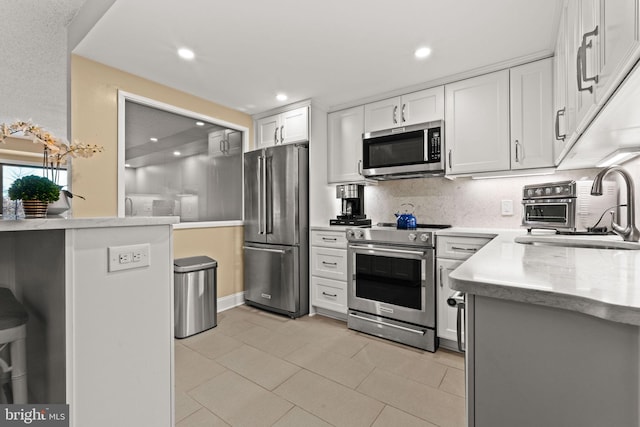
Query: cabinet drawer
x=329, y=263
x=329, y=294
x=459, y=247
x=330, y=239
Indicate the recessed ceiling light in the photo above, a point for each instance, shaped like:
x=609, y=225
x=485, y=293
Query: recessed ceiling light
x=176, y=153
x=153, y=139
x=127, y=165
x=422, y=52
x=185, y=53
x=281, y=97
x=199, y=123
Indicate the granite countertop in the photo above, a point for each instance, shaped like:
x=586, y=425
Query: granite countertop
x=60, y=223
x=598, y=282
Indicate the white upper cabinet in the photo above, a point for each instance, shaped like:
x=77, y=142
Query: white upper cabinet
x=603, y=38
x=284, y=128
x=344, y=145
x=225, y=143
x=531, y=115
x=619, y=41
x=412, y=108
x=561, y=124
x=477, y=124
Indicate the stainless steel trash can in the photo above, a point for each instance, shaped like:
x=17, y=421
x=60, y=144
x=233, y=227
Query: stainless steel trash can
x=194, y=281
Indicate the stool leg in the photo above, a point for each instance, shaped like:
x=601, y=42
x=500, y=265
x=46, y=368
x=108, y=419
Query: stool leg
x=19, y=370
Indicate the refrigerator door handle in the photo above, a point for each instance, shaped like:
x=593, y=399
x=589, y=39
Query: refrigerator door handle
x=276, y=251
x=262, y=196
x=268, y=196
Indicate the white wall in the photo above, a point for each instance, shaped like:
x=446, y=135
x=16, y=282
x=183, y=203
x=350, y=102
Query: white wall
x=33, y=48
x=462, y=202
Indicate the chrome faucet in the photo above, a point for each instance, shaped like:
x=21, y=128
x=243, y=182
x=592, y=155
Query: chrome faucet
x=629, y=233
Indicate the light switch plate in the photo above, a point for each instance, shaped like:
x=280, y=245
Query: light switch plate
x=128, y=257
x=506, y=207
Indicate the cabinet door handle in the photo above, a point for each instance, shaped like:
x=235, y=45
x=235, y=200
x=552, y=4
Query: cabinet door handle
x=458, y=248
x=329, y=295
x=395, y=115
x=441, y=285
x=450, y=159
x=329, y=239
x=281, y=134
x=517, y=156
x=402, y=113
x=564, y=135
x=275, y=136
x=332, y=264
x=581, y=65
x=222, y=145
x=359, y=167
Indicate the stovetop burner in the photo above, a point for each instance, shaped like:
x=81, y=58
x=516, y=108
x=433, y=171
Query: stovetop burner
x=387, y=233
x=393, y=224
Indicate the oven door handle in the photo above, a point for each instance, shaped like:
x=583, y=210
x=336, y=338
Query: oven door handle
x=382, y=250
x=391, y=325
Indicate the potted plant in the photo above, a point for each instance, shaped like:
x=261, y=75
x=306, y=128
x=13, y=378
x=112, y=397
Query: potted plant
x=36, y=192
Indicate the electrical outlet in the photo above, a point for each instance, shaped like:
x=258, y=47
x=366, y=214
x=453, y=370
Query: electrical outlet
x=506, y=207
x=127, y=257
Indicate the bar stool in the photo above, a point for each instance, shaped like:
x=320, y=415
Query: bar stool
x=13, y=333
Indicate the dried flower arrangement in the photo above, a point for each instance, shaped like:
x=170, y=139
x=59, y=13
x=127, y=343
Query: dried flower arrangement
x=56, y=150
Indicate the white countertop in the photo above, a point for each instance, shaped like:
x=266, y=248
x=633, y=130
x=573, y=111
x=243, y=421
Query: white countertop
x=60, y=223
x=600, y=282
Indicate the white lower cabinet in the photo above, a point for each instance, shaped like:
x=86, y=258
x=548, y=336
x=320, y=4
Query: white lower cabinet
x=329, y=271
x=447, y=315
x=451, y=252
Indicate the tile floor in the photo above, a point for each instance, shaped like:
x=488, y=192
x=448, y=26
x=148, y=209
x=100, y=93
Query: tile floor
x=261, y=369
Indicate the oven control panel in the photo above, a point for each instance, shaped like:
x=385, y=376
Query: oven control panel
x=552, y=190
x=391, y=235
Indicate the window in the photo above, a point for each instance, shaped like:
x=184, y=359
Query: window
x=176, y=164
x=9, y=173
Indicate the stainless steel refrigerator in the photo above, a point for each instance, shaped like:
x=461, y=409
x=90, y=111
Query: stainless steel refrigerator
x=276, y=229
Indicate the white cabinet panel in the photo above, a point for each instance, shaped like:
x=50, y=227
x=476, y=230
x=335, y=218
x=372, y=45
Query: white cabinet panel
x=382, y=114
x=284, y=128
x=617, y=43
x=267, y=131
x=447, y=315
x=531, y=117
x=459, y=247
x=477, y=124
x=294, y=126
x=329, y=263
x=344, y=145
x=330, y=239
x=562, y=129
x=423, y=106
x=409, y=109
x=329, y=294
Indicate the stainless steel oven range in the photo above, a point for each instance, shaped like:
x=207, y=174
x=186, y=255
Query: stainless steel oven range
x=391, y=283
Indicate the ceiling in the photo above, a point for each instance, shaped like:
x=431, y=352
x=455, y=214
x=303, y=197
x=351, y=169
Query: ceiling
x=332, y=51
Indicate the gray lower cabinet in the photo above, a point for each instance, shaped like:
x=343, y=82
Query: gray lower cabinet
x=532, y=365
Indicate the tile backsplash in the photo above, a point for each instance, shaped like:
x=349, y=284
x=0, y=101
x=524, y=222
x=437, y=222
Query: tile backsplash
x=461, y=202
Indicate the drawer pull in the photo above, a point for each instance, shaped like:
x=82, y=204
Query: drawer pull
x=332, y=264
x=329, y=239
x=329, y=295
x=457, y=248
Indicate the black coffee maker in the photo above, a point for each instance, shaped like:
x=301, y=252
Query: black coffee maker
x=352, y=196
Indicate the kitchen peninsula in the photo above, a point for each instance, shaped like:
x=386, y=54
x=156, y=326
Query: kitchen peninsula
x=552, y=334
x=99, y=336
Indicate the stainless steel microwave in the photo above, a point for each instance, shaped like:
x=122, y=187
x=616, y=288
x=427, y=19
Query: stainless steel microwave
x=404, y=152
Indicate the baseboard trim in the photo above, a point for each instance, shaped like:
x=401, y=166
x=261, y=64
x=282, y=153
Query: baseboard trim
x=230, y=301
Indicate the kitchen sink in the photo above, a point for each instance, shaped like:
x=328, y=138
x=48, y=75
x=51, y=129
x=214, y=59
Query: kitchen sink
x=593, y=242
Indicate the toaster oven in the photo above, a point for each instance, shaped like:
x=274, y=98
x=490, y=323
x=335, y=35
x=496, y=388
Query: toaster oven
x=568, y=206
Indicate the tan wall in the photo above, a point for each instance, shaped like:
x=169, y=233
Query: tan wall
x=224, y=244
x=94, y=120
